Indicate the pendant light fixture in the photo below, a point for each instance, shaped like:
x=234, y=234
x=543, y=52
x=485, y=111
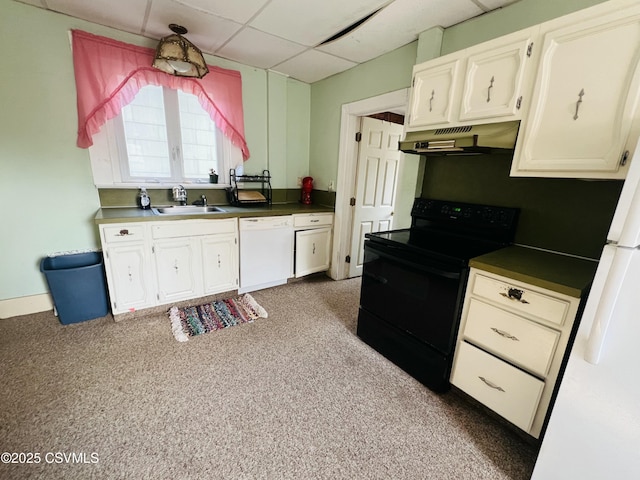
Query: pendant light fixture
x=177, y=56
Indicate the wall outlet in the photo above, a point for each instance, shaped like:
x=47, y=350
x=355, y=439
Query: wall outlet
x=331, y=186
x=299, y=181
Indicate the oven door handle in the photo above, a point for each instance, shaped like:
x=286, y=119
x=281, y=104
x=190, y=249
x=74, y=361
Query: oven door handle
x=376, y=278
x=384, y=252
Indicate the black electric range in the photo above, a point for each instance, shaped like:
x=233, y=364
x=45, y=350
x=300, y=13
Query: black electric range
x=414, y=281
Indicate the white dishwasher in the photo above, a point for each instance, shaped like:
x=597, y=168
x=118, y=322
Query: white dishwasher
x=266, y=252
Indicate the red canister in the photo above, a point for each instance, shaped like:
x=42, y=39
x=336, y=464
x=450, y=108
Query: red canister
x=307, y=187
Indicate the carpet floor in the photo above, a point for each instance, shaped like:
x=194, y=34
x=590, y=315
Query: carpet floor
x=293, y=396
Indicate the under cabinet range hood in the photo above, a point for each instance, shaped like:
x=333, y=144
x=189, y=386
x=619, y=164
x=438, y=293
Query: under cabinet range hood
x=463, y=140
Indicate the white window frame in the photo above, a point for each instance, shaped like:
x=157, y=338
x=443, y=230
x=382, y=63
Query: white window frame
x=111, y=169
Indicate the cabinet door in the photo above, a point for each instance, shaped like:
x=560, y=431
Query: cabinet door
x=432, y=93
x=313, y=251
x=219, y=263
x=126, y=267
x=494, y=79
x=176, y=269
x=585, y=98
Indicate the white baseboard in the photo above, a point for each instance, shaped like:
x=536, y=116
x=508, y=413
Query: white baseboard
x=14, y=307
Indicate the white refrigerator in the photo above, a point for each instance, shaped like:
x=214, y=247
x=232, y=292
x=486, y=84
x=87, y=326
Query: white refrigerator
x=594, y=428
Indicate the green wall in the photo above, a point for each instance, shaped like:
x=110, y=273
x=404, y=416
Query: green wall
x=48, y=196
x=384, y=74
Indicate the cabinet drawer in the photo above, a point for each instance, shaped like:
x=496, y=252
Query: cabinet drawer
x=312, y=220
x=123, y=233
x=186, y=228
x=511, y=337
x=521, y=299
x=501, y=387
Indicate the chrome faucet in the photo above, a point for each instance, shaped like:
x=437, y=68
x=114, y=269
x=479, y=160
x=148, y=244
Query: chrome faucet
x=204, y=200
x=180, y=195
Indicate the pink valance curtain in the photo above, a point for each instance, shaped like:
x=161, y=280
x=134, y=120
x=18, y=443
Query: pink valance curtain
x=110, y=73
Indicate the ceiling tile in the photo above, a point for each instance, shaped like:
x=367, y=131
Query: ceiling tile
x=311, y=66
x=374, y=37
x=240, y=12
x=127, y=15
x=259, y=49
x=208, y=32
x=309, y=22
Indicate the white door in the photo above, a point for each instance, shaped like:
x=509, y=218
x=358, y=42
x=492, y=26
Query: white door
x=376, y=181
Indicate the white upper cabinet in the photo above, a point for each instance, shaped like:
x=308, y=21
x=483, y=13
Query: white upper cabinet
x=585, y=95
x=432, y=92
x=482, y=84
x=495, y=77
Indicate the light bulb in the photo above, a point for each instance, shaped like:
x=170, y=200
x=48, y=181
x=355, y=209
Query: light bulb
x=180, y=66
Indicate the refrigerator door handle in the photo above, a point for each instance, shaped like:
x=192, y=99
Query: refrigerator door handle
x=607, y=303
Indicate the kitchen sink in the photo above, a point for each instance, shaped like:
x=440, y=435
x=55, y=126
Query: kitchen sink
x=186, y=210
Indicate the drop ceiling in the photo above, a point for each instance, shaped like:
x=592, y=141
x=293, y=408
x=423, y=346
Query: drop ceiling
x=285, y=36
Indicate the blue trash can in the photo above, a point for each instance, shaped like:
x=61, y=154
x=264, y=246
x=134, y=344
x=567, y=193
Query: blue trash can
x=77, y=285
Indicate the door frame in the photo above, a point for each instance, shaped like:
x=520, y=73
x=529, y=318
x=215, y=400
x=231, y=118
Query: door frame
x=347, y=162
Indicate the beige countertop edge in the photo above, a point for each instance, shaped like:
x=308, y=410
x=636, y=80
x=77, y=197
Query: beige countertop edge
x=133, y=214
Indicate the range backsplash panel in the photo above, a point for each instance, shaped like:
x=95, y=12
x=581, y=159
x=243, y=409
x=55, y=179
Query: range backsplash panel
x=559, y=214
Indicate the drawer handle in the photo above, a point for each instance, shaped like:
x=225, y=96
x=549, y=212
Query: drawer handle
x=504, y=334
x=491, y=384
x=314, y=221
x=514, y=294
x=123, y=232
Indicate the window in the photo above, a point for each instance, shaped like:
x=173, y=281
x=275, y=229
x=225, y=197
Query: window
x=165, y=136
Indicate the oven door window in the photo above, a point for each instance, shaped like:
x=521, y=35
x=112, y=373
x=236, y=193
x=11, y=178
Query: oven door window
x=423, y=300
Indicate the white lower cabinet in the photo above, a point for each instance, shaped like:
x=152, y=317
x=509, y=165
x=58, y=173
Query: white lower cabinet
x=511, y=343
x=219, y=262
x=154, y=263
x=313, y=251
x=128, y=278
x=195, y=258
x=127, y=267
x=312, y=243
x=177, y=269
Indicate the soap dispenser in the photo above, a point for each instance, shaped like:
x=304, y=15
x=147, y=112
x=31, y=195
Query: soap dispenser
x=144, y=202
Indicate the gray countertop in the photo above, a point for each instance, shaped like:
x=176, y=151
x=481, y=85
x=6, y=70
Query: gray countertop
x=559, y=273
x=133, y=214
